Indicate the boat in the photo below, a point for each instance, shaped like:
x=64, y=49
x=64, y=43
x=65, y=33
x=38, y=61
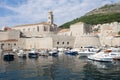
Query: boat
x=71, y=52
x=33, y=54
x=14, y=50
x=61, y=49
x=88, y=51
x=8, y=57
x=44, y=53
x=21, y=54
x=53, y=52
x=105, y=56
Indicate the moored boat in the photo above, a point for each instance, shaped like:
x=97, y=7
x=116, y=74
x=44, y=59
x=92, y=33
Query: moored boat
x=53, y=53
x=44, y=53
x=33, y=54
x=21, y=53
x=89, y=51
x=70, y=52
x=107, y=56
x=8, y=57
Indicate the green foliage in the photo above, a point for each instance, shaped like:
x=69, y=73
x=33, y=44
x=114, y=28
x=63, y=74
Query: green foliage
x=95, y=19
x=119, y=33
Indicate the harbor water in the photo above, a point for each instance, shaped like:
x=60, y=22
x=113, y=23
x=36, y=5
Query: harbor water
x=61, y=67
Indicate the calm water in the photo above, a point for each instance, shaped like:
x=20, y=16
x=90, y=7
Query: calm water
x=63, y=67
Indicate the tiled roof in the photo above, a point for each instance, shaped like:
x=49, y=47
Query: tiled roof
x=108, y=28
x=42, y=23
x=112, y=34
x=64, y=30
x=9, y=40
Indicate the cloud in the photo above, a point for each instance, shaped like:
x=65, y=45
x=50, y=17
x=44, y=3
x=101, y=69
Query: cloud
x=34, y=11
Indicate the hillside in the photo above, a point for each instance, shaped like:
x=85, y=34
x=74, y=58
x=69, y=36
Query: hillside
x=108, y=8
x=105, y=14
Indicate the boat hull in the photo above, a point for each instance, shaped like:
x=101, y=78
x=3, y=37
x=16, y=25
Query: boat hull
x=8, y=57
x=33, y=55
x=71, y=53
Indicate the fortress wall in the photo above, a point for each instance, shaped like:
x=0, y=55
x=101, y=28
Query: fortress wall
x=63, y=41
x=83, y=41
x=3, y=35
x=116, y=41
x=37, y=43
x=11, y=34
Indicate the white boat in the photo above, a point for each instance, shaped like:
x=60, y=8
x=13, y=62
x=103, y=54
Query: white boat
x=61, y=49
x=105, y=56
x=21, y=53
x=14, y=50
x=53, y=52
x=44, y=53
x=33, y=54
x=88, y=52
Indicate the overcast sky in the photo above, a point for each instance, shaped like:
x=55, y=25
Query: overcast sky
x=17, y=12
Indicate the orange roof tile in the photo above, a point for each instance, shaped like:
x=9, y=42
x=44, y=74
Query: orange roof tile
x=64, y=30
x=42, y=23
x=112, y=34
x=108, y=28
x=9, y=40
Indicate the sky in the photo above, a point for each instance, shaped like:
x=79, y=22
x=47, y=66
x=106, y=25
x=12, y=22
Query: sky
x=18, y=12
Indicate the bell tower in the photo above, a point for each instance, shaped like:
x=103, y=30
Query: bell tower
x=50, y=17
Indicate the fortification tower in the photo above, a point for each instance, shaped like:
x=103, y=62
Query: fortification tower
x=50, y=17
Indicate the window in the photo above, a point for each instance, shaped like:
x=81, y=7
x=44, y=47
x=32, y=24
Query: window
x=14, y=44
x=23, y=29
x=62, y=42
x=33, y=29
x=57, y=42
x=45, y=28
x=67, y=42
x=38, y=28
x=48, y=17
x=9, y=44
x=28, y=29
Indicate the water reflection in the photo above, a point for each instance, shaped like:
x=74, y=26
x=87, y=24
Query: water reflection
x=102, y=70
x=63, y=67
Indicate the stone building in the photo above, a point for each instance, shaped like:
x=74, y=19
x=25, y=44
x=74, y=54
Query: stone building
x=46, y=35
x=42, y=29
x=108, y=32
x=9, y=39
x=42, y=35
x=8, y=44
x=82, y=34
x=80, y=29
